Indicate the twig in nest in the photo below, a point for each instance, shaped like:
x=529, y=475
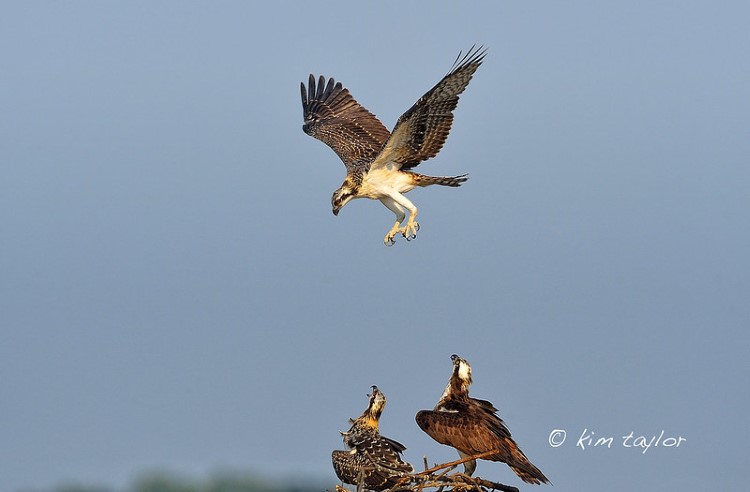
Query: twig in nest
x=456, y=463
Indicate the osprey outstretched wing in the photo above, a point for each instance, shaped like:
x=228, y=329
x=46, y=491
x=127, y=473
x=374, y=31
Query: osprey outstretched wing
x=420, y=133
x=374, y=461
x=378, y=162
x=334, y=117
x=473, y=427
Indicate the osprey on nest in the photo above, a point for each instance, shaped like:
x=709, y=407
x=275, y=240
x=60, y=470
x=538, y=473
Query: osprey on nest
x=374, y=462
x=378, y=163
x=473, y=427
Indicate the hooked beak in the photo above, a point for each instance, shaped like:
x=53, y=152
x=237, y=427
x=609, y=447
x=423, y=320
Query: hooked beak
x=338, y=203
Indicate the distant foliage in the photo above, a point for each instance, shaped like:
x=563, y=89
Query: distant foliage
x=82, y=488
x=223, y=482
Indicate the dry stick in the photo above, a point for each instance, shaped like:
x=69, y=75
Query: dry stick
x=456, y=463
x=477, y=481
x=461, y=479
x=490, y=485
x=457, y=483
x=420, y=486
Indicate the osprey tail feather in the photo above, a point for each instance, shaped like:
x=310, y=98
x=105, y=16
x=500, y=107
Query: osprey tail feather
x=524, y=468
x=453, y=181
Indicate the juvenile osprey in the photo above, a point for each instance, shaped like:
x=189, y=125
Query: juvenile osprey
x=373, y=462
x=473, y=427
x=378, y=163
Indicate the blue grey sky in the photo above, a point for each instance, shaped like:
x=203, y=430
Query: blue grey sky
x=177, y=294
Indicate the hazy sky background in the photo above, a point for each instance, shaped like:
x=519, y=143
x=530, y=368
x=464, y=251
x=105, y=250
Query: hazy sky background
x=177, y=294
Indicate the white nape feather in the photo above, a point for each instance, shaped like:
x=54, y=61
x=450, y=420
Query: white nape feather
x=441, y=408
x=464, y=371
x=446, y=392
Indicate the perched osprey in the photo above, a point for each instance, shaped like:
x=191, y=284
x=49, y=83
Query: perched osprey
x=473, y=427
x=373, y=462
x=378, y=163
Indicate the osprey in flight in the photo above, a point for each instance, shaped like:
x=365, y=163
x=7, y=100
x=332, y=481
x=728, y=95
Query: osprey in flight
x=373, y=462
x=378, y=163
x=473, y=427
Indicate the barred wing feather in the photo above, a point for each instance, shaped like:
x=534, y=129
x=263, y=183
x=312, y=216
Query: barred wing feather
x=421, y=131
x=334, y=117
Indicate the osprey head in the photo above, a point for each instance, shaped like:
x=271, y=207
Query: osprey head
x=462, y=370
x=342, y=196
x=459, y=382
x=377, y=403
x=370, y=418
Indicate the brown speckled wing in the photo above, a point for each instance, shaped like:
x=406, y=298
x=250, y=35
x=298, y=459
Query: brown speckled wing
x=334, y=117
x=420, y=133
x=460, y=431
x=476, y=430
x=375, y=462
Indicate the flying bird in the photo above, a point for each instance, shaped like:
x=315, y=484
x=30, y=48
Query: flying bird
x=378, y=163
x=473, y=427
x=373, y=462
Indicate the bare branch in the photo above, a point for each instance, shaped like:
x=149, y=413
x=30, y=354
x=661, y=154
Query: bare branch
x=455, y=463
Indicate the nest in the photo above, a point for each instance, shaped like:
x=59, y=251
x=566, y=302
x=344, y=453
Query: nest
x=438, y=478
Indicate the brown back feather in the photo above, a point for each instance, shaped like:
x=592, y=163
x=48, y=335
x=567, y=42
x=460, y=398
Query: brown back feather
x=473, y=428
x=358, y=469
